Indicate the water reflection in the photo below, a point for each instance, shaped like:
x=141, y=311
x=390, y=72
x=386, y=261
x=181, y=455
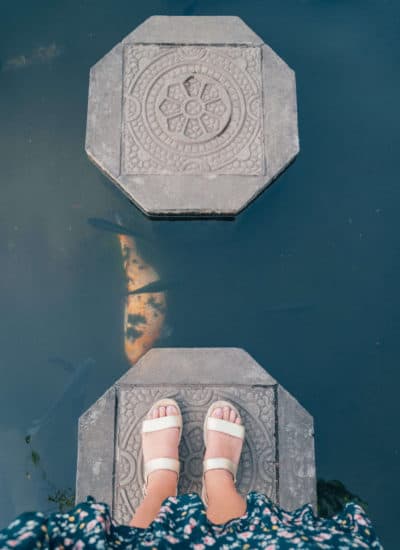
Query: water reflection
x=42, y=54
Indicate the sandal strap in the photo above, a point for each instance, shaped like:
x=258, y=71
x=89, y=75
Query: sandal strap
x=220, y=463
x=161, y=464
x=230, y=428
x=162, y=423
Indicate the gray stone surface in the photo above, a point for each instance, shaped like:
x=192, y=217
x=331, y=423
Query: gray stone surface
x=192, y=116
x=297, y=472
x=96, y=450
x=278, y=454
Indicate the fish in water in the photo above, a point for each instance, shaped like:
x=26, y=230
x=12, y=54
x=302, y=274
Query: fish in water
x=73, y=391
x=145, y=299
x=154, y=287
x=145, y=305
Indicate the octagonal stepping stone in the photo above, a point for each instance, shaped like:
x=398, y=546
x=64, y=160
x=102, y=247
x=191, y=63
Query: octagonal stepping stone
x=192, y=116
x=278, y=453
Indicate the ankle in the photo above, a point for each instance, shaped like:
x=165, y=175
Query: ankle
x=219, y=483
x=162, y=483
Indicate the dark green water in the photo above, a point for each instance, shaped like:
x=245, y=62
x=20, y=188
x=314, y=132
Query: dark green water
x=306, y=279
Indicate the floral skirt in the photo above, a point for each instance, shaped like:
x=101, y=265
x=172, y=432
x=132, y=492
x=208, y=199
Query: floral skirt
x=182, y=523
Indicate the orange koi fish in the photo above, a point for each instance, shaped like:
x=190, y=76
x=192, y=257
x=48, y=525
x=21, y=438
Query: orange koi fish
x=144, y=312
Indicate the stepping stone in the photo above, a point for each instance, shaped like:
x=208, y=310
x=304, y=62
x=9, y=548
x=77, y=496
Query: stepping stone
x=278, y=453
x=192, y=116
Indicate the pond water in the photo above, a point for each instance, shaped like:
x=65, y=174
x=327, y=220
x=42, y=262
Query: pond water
x=305, y=279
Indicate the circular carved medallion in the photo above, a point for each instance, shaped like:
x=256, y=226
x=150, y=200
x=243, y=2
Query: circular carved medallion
x=188, y=109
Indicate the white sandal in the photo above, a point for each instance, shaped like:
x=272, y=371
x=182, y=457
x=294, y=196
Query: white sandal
x=224, y=426
x=162, y=423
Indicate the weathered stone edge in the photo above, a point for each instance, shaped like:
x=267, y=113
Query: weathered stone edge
x=95, y=462
x=296, y=453
x=186, y=29
x=197, y=366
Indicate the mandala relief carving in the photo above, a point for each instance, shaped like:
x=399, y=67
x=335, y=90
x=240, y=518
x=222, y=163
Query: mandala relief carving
x=257, y=470
x=192, y=109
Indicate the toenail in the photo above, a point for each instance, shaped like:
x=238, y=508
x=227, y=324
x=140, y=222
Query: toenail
x=171, y=410
x=217, y=412
x=162, y=411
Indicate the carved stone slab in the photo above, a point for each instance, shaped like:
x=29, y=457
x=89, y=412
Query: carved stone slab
x=192, y=110
x=194, y=124
x=278, y=454
x=257, y=469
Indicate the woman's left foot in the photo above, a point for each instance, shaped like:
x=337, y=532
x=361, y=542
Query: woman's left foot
x=222, y=445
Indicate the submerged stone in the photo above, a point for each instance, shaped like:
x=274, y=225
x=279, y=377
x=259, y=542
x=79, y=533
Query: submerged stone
x=192, y=116
x=278, y=453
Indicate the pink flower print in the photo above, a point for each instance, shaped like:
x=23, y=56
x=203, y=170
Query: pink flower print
x=245, y=535
x=189, y=527
x=91, y=524
x=286, y=534
x=164, y=510
x=209, y=541
x=12, y=543
x=78, y=545
x=359, y=519
x=172, y=539
x=321, y=537
x=326, y=536
x=83, y=514
x=198, y=547
x=68, y=542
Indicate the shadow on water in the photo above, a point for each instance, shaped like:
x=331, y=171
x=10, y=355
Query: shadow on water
x=71, y=397
x=333, y=496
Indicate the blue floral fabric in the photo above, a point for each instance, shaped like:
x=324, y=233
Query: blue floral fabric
x=182, y=523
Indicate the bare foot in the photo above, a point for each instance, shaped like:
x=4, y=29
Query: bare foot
x=161, y=444
x=222, y=445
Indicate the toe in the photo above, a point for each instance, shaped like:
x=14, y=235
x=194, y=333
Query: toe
x=232, y=416
x=238, y=420
x=156, y=412
x=218, y=413
x=162, y=411
x=171, y=410
x=226, y=413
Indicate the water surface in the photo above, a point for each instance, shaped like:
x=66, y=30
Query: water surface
x=306, y=279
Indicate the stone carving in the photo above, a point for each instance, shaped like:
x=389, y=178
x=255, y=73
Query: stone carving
x=192, y=109
x=257, y=469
